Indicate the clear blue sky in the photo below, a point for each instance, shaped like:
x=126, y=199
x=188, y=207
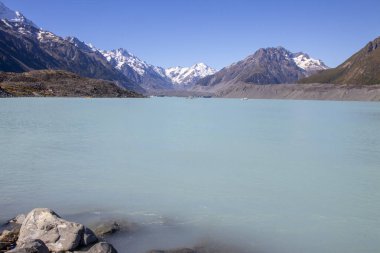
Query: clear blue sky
x=217, y=32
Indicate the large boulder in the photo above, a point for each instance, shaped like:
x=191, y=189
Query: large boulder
x=33, y=246
x=102, y=247
x=57, y=233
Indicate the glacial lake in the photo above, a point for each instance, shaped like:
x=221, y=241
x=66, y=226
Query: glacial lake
x=270, y=176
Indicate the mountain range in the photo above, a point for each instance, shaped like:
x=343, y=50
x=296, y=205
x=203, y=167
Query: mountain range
x=26, y=47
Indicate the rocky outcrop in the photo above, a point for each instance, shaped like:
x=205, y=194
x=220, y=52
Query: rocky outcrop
x=57, y=233
x=58, y=83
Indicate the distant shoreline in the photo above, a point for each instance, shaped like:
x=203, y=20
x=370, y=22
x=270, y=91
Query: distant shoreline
x=328, y=92
x=332, y=92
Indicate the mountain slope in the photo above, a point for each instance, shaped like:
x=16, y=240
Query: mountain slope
x=25, y=47
x=188, y=75
x=361, y=68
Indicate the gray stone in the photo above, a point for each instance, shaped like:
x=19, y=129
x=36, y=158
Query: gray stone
x=88, y=237
x=106, y=228
x=102, y=247
x=33, y=246
x=57, y=233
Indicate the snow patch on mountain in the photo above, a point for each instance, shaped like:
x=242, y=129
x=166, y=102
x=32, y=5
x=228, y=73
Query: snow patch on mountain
x=46, y=36
x=310, y=65
x=189, y=75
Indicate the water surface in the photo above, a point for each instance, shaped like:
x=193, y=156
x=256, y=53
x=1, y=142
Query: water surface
x=276, y=176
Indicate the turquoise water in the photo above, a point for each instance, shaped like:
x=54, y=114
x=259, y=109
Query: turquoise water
x=278, y=176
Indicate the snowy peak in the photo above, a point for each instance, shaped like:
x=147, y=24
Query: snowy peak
x=188, y=75
x=121, y=57
x=123, y=60
x=310, y=65
x=13, y=16
x=148, y=76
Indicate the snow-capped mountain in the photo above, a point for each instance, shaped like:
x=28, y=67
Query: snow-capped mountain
x=13, y=16
x=122, y=57
x=310, y=65
x=26, y=47
x=148, y=76
x=273, y=65
x=188, y=75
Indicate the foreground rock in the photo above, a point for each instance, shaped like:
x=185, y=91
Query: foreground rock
x=57, y=233
x=10, y=232
x=102, y=247
x=8, y=239
x=33, y=246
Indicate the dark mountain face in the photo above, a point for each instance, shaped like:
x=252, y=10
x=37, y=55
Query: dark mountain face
x=24, y=47
x=361, y=68
x=265, y=66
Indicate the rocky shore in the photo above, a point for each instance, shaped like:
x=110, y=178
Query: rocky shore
x=44, y=231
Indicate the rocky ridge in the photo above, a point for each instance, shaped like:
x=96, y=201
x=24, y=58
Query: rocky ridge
x=58, y=83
